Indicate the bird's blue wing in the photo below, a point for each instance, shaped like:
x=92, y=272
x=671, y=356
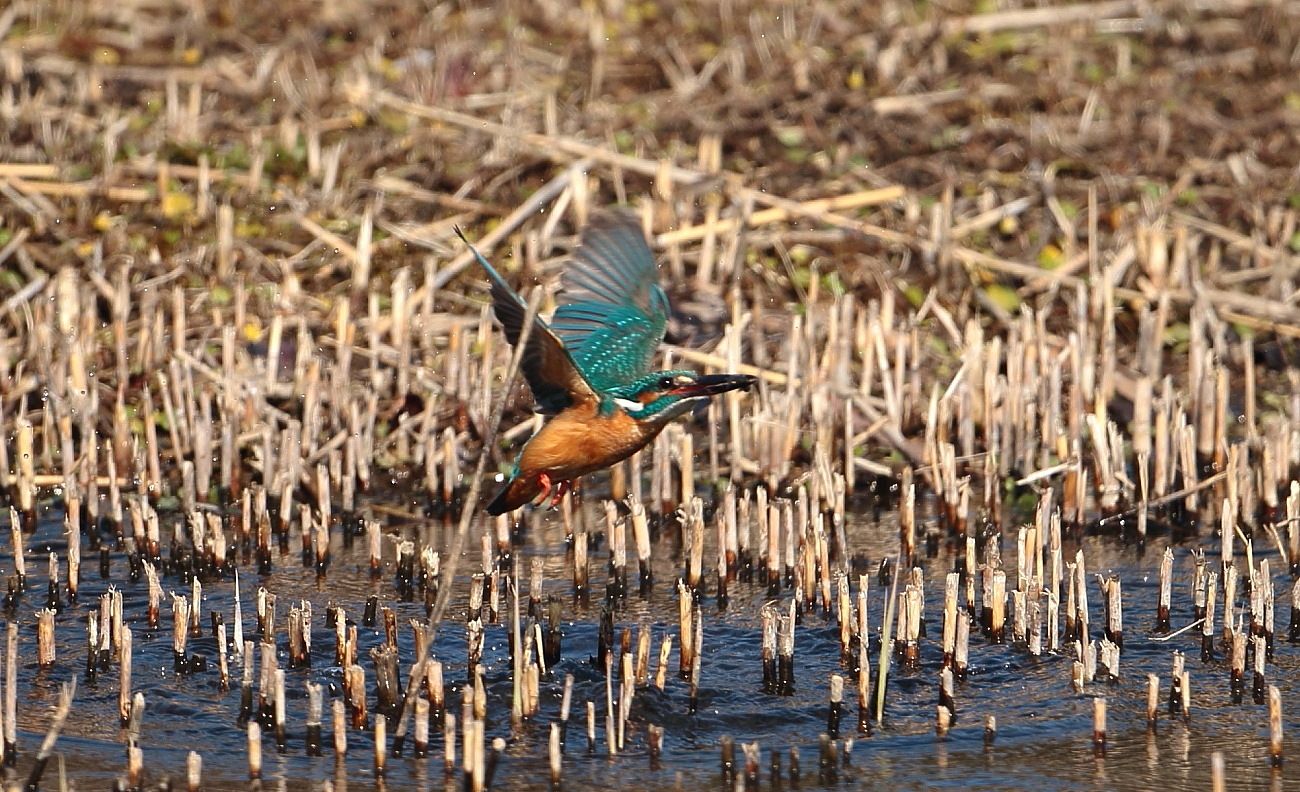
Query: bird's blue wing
x=613, y=312
x=553, y=377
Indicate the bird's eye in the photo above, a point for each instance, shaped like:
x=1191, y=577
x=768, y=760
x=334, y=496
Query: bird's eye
x=667, y=383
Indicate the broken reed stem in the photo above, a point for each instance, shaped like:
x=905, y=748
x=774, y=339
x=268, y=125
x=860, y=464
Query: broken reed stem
x=315, y=709
x=66, y=694
x=836, y=710
x=1166, y=591
x=45, y=638
x=339, y=724
x=254, y=751
x=124, y=696
x=555, y=756
x=886, y=647
x=1153, y=701
x=1099, y=726
x=193, y=771
x=449, y=744
x=1275, y=726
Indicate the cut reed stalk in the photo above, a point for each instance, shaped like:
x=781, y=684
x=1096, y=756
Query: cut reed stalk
x=1099, y=726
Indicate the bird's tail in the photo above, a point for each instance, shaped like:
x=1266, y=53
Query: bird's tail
x=517, y=492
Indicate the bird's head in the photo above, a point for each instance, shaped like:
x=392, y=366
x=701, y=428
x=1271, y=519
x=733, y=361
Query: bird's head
x=661, y=396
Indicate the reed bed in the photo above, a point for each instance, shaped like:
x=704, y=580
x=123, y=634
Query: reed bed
x=248, y=374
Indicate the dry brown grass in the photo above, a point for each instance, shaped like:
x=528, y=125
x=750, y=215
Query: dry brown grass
x=974, y=159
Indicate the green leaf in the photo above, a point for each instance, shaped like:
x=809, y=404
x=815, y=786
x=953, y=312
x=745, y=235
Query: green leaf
x=1178, y=333
x=221, y=295
x=1051, y=257
x=789, y=136
x=1004, y=297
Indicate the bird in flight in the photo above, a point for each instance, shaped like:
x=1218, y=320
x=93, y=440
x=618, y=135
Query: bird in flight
x=590, y=368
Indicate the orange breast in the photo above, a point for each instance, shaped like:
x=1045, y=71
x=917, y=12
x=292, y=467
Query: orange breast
x=580, y=441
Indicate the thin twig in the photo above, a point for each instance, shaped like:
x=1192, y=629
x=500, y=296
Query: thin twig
x=1173, y=496
x=817, y=209
x=15, y=243
x=66, y=695
x=527, y=209
x=1176, y=633
x=470, y=507
x=26, y=293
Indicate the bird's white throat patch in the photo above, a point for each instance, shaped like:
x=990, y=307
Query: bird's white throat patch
x=630, y=406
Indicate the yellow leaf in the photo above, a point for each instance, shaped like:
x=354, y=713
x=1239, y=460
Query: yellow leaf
x=1051, y=257
x=177, y=205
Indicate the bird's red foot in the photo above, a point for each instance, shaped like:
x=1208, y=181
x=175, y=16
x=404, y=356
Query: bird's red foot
x=552, y=490
x=561, y=489
x=544, y=482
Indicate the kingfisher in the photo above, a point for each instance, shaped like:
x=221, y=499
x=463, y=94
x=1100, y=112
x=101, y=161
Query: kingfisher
x=589, y=369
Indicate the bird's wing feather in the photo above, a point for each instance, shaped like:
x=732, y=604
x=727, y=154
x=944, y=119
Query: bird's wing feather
x=553, y=377
x=613, y=311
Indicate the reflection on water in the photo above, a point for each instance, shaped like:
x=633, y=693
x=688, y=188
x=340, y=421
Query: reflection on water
x=1044, y=736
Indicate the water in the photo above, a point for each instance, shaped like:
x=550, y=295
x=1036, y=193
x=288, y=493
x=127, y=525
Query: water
x=1044, y=737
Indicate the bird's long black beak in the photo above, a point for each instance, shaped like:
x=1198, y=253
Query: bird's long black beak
x=713, y=384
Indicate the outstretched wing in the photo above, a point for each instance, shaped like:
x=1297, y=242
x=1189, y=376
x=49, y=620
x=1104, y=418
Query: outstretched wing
x=613, y=312
x=556, y=382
